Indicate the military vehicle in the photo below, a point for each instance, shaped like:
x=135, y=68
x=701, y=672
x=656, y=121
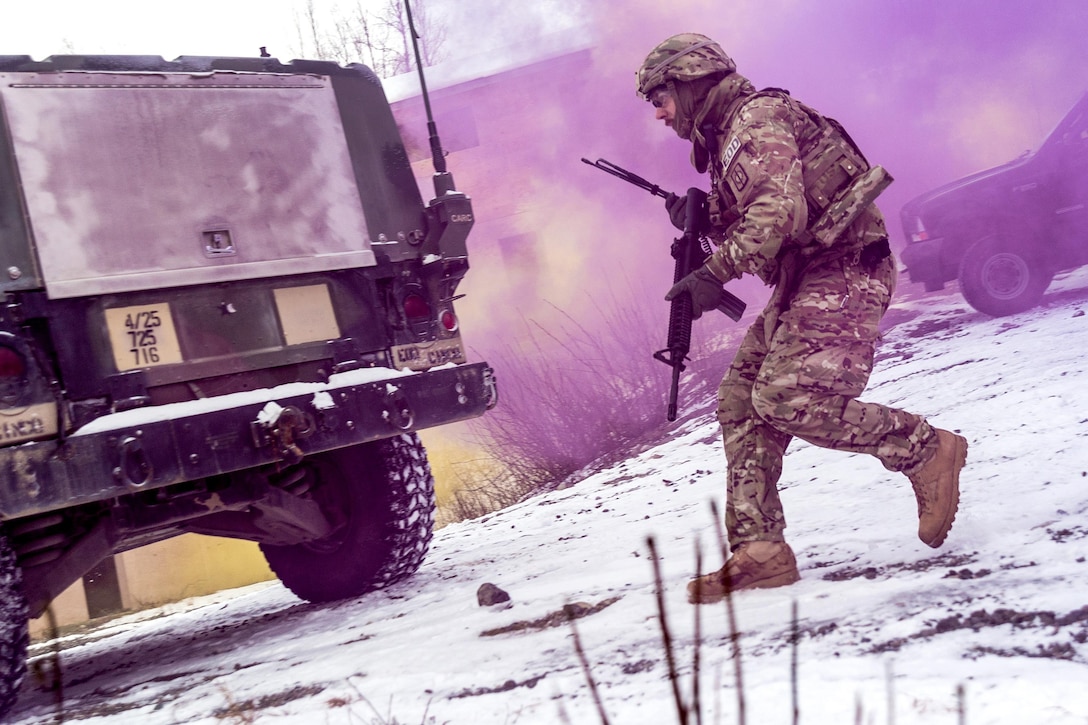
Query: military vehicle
x=226, y=309
x=1005, y=232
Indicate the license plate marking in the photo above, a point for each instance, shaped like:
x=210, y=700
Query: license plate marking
x=428, y=354
x=143, y=336
x=25, y=424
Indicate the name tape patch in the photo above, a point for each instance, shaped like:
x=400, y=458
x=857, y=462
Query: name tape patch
x=730, y=153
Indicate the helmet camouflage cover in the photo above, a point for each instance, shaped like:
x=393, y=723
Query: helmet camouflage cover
x=683, y=57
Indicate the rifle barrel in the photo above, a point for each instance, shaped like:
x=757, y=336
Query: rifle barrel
x=628, y=176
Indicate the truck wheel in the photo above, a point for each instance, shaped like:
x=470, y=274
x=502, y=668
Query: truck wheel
x=13, y=628
x=384, y=494
x=1000, y=277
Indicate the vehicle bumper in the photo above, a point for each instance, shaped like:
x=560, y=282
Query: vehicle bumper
x=148, y=448
x=923, y=261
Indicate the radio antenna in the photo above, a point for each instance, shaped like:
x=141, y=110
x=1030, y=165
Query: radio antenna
x=443, y=180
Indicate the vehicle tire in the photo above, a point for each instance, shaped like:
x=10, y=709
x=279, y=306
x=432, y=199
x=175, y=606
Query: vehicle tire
x=384, y=492
x=13, y=628
x=999, y=275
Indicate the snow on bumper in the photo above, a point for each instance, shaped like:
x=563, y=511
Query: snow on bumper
x=158, y=446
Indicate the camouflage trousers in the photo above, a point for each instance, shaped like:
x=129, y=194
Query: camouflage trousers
x=804, y=381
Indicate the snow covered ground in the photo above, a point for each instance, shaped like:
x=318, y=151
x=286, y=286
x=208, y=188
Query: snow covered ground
x=890, y=630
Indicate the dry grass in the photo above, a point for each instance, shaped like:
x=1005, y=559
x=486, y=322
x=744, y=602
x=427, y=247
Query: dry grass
x=688, y=706
x=582, y=391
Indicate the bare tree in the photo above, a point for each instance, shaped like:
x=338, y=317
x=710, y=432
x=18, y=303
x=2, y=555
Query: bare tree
x=394, y=17
x=431, y=34
x=373, y=32
x=311, y=37
x=360, y=28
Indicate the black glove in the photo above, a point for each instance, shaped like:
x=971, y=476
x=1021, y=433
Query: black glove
x=677, y=207
x=705, y=289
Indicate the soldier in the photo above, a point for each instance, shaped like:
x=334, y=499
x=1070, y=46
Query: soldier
x=781, y=177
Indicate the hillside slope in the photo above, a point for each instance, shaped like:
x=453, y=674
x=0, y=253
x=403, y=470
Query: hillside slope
x=1001, y=609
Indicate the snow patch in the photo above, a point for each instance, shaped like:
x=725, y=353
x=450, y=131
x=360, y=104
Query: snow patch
x=323, y=401
x=999, y=609
x=269, y=414
x=173, y=411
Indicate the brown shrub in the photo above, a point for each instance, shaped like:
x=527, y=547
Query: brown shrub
x=584, y=389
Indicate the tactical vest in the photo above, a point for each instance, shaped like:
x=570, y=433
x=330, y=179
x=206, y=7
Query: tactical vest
x=838, y=181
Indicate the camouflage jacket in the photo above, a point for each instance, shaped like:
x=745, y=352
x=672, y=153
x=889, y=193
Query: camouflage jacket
x=774, y=164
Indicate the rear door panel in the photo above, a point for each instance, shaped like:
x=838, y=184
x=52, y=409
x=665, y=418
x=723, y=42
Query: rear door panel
x=141, y=180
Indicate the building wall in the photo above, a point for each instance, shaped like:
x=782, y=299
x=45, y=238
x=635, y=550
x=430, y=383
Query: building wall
x=189, y=566
x=186, y=566
x=495, y=132
x=69, y=608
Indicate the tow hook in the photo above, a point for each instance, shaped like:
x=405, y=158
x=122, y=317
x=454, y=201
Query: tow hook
x=491, y=388
x=283, y=431
x=134, y=469
x=397, y=412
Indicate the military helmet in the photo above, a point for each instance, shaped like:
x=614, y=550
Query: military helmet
x=683, y=57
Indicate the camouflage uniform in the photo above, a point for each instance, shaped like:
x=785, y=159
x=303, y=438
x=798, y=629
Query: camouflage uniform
x=809, y=354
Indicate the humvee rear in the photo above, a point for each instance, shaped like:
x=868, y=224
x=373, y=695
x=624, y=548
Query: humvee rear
x=226, y=310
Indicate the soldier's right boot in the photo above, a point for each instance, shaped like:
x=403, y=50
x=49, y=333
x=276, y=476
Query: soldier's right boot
x=753, y=565
x=937, y=488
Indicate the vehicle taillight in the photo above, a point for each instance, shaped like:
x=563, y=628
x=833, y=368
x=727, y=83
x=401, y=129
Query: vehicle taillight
x=415, y=307
x=920, y=234
x=12, y=364
x=449, y=320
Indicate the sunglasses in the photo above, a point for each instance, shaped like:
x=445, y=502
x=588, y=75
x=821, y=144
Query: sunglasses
x=660, y=96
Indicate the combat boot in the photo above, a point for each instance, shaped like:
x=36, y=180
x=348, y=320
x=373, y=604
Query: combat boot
x=937, y=488
x=753, y=565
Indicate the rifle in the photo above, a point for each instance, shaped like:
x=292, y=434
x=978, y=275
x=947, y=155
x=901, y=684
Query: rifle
x=689, y=253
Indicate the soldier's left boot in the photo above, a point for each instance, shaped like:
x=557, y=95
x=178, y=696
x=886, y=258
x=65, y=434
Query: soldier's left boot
x=753, y=565
x=937, y=488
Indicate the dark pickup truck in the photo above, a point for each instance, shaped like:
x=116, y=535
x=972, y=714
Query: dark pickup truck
x=224, y=309
x=1004, y=233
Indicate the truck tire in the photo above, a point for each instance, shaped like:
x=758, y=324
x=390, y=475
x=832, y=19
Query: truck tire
x=385, y=492
x=13, y=628
x=999, y=276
